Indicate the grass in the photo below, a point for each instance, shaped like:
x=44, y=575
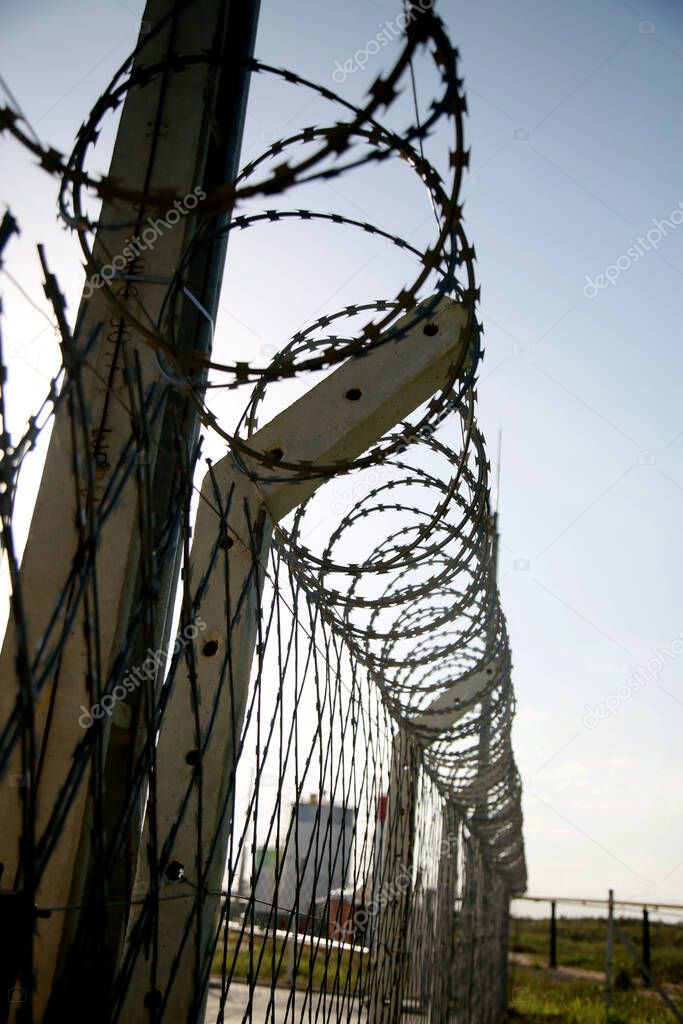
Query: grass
x=581, y=943
x=536, y=998
x=340, y=967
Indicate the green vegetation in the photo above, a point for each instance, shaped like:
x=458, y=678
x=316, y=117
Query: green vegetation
x=581, y=943
x=537, y=998
x=341, y=967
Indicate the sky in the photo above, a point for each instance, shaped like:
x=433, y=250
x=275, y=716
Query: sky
x=575, y=134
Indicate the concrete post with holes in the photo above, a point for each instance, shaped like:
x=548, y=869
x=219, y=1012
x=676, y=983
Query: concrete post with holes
x=197, y=752
x=442, y=978
x=163, y=143
x=392, y=894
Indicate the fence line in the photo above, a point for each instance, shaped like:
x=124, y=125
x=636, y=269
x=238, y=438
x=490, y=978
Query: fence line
x=643, y=963
x=594, y=901
x=251, y=745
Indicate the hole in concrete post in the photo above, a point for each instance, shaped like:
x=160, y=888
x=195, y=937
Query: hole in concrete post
x=353, y=394
x=276, y=454
x=430, y=330
x=153, y=999
x=210, y=648
x=175, y=871
x=226, y=541
x=192, y=756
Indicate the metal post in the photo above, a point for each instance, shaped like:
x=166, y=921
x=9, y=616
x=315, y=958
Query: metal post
x=553, y=934
x=646, y=948
x=192, y=822
x=608, y=951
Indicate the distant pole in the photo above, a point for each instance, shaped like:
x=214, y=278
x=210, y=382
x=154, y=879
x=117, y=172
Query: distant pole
x=608, y=956
x=646, y=947
x=553, y=933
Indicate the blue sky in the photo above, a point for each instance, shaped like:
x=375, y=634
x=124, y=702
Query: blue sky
x=575, y=131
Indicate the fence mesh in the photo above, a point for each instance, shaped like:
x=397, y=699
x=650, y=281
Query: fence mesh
x=254, y=767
